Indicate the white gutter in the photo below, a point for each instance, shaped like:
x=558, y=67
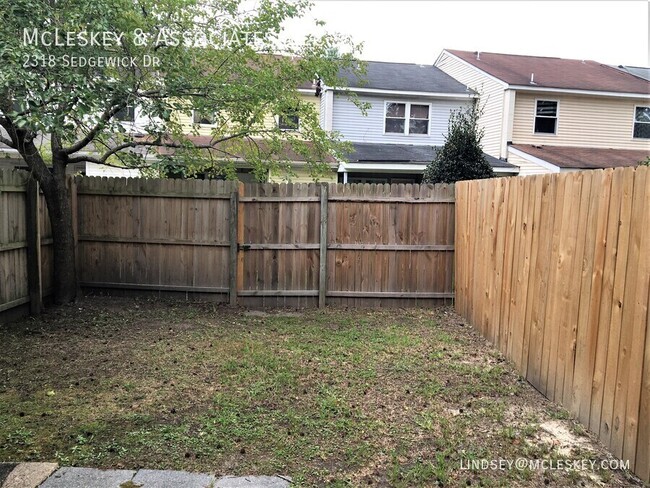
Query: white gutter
x=378, y=91
x=580, y=92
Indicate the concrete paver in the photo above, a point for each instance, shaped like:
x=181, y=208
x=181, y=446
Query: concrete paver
x=88, y=478
x=149, y=478
x=253, y=482
x=29, y=475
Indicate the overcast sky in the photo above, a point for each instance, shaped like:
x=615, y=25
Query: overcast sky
x=612, y=32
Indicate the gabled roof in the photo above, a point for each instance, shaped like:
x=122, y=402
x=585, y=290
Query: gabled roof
x=405, y=77
x=404, y=153
x=569, y=157
x=569, y=74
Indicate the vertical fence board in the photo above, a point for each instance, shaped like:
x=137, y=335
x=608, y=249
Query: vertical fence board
x=574, y=270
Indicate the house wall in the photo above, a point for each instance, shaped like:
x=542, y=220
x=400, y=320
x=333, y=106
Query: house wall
x=354, y=126
x=269, y=119
x=302, y=175
x=491, y=99
x=588, y=121
x=527, y=168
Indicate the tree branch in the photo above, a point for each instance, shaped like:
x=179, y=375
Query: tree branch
x=92, y=133
x=171, y=145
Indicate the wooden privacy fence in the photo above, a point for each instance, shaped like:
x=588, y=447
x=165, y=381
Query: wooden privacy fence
x=25, y=242
x=267, y=244
x=555, y=270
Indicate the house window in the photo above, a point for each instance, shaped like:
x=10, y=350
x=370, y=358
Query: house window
x=642, y=122
x=546, y=117
x=288, y=121
x=127, y=114
x=397, y=115
x=202, y=117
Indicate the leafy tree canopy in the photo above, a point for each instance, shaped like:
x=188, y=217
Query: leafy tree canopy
x=69, y=67
x=461, y=157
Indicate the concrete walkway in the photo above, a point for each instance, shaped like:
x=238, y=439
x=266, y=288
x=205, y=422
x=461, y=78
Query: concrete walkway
x=49, y=475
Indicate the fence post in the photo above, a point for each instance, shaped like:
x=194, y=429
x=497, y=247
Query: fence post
x=72, y=188
x=32, y=222
x=234, y=221
x=322, y=277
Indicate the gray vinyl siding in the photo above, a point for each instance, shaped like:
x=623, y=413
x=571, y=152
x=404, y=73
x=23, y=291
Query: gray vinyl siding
x=353, y=126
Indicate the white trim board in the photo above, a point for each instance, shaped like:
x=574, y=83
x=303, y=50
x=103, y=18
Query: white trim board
x=540, y=162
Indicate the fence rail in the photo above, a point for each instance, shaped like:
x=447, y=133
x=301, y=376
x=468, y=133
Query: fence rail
x=259, y=245
x=555, y=270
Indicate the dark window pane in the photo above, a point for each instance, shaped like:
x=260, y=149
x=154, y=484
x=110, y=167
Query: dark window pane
x=395, y=125
x=545, y=125
x=419, y=111
x=127, y=114
x=642, y=131
x=203, y=117
x=642, y=114
x=288, y=122
x=546, y=108
x=395, y=110
x=418, y=126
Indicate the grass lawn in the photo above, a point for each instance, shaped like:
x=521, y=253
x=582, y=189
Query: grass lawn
x=338, y=398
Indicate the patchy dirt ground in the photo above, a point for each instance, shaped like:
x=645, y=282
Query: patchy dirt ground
x=338, y=398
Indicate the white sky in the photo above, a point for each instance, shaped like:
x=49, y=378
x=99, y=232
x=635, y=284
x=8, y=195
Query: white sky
x=612, y=32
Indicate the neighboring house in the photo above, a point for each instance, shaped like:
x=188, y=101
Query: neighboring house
x=201, y=126
x=551, y=114
x=406, y=120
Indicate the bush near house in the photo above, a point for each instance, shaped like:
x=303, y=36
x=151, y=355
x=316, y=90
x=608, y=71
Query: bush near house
x=461, y=157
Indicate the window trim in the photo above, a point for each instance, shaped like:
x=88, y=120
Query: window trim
x=557, y=117
x=634, y=122
x=277, y=122
x=204, y=125
x=407, y=117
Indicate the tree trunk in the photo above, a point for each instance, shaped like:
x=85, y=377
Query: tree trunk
x=59, y=207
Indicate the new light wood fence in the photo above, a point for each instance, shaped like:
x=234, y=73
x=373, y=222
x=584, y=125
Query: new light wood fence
x=555, y=270
x=263, y=245
x=25, y=240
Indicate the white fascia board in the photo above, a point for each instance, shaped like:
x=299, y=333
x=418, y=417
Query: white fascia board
x=306, y=91
x=580, y=92
x=400, y=93
x=514, y=169
x=533, y=159
x=493, y=78
x=382, y=167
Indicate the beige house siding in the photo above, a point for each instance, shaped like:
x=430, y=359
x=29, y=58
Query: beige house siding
x=526, y=167
x=302, y=176
x=269, y=119
x=585, y=121
x=491, y=98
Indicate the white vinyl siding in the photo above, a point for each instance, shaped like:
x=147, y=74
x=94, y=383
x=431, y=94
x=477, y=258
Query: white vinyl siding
x=491, y=99
x=585, y=121
x=526, y=167
x=354, y=126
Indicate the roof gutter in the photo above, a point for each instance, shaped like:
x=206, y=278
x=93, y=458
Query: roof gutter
x=580, y=92
x=378, y=91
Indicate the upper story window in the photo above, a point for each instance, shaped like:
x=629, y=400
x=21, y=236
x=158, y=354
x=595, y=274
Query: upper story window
x=288, y=121
x=546, y=117
x=406, y=118
x=127, y=114
x=642, y=122
x=203, y=117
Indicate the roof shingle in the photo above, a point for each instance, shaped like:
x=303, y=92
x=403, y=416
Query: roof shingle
x=571, y=74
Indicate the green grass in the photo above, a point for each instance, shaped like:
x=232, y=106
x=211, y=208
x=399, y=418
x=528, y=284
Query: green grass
x=338, y=398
